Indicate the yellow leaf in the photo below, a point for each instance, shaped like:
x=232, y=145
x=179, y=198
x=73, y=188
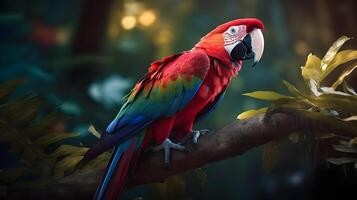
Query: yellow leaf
x=352, y=118
x=53, y=138
x=251, y=113
x=99, y=162
x=175, y=186
x=66, y=149
x=343, y=75
x=267, y=95
x=333, y=51
x=21, y=111
x=328, y=136
x=336, y=102
x=354, y=140
x=66, y=164
x=314, y=87
x=341, y=161
x=312, y=69
x=270, y=155
x=292, y=89
x=92, y=130
x=330, y=90
x=348, y=89
x=345, y=148
x=340, y=58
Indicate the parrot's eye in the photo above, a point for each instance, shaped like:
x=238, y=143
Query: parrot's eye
x=233, y=31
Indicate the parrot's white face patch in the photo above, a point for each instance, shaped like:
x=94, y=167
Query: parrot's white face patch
x=233, y=35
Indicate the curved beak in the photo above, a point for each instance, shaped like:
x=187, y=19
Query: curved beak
x=251, y=47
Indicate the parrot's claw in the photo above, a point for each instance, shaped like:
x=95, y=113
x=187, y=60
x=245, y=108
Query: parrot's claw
x=166, y=146
x=197, y=133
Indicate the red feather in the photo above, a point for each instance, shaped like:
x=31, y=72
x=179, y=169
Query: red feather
x=118, y=180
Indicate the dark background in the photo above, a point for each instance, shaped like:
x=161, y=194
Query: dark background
x=84, y=56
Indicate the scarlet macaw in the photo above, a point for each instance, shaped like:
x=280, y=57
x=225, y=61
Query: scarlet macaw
x=175, y=92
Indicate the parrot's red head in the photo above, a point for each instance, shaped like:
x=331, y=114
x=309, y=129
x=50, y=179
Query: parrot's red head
x=235, y=41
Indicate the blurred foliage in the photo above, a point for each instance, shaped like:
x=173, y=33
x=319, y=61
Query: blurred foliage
x=31, y=134
x=45, y=153
x=336, y=103
x=175, y=187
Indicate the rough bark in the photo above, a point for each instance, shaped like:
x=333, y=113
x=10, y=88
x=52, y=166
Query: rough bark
x=231, y=140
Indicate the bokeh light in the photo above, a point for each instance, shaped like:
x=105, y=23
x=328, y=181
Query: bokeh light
x=62, y=36
x=128, y=22
x=301, y=48
x=164, y=36
x=147, y=18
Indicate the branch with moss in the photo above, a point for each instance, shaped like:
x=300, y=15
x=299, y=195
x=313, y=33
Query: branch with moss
x=229, y=141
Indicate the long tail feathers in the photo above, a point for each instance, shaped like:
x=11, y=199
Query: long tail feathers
x=114, y=181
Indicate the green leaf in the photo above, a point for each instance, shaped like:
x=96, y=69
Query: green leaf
x=44, y=125
x=18, y=142
x=65, y=150
x=333, y=51
x=251, y=113
x=322, y=118
x=7, y=88
x=54, y=137
x=99, y=162
x=335, y=102
x=298, y=104
x=66, y=164
x=343, y=75
x=345, y=149
x=348, y=89
x=341, y=161
x=267, y=95
x=340, y=58
x=21, y=111
x=312, y=69
x=293, y=90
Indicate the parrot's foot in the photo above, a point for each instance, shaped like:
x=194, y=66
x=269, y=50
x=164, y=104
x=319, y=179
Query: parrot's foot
x=197, y=133
x=166, y=146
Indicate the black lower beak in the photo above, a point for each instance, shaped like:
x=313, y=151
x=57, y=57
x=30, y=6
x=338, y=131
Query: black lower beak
x=243, y=50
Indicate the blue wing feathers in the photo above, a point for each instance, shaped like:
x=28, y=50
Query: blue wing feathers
x=118, y=152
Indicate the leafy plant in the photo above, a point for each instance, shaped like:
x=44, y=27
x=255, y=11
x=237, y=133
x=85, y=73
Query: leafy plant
x=175, y=187
x=337, y=100
x=29, y=133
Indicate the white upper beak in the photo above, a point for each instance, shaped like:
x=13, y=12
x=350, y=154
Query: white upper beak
x=257, y=44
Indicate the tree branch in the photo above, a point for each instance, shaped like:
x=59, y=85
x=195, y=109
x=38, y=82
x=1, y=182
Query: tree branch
x=231, y=140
